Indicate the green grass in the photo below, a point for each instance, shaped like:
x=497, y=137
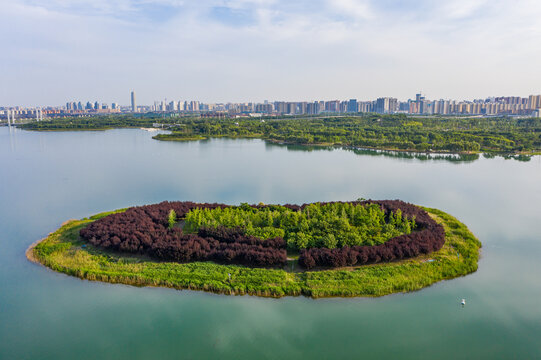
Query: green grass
x=63, y=251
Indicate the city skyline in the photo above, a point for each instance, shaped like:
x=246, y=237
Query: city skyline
x=132, y=103
x=420, y=105
x=252, y=50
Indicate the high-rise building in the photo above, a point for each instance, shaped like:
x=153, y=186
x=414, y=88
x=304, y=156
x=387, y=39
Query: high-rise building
x=403, y=106
x=535, y=102
x=386, y=105
x=311, y=108
x=302, y=107
x=291, y=108
x=172, y=106
x=332, y=106
x=264, y=108
x=352, y=106
x=133, y=104
x=280, y=107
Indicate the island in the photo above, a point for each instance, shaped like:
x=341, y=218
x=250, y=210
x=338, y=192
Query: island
x=511, y=137
x=333, y=249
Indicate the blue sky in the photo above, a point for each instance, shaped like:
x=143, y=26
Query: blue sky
x=55, y=51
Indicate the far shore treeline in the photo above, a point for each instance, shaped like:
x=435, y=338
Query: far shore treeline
x=399, y=132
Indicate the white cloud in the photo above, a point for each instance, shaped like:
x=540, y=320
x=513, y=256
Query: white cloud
x=359, y=9
x=281, y=49
x=464, y=8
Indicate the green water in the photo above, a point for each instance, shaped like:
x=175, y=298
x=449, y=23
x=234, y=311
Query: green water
x=46, y=178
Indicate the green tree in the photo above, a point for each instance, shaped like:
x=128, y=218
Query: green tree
x=172, y=218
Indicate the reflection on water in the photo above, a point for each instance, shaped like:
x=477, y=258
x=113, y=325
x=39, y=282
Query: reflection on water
x=422, y=156
x=518, y=157
x=463, y=158
x=457, y=158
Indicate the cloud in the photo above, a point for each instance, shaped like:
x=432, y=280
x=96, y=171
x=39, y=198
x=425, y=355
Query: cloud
x=358, y=9
x=241, y=50
x=464, y=8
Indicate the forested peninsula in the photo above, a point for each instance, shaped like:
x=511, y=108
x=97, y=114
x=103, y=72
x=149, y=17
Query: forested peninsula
x=358, y=248
x=391, y=132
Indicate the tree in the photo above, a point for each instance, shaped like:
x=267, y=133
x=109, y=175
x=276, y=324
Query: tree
x=172, y=218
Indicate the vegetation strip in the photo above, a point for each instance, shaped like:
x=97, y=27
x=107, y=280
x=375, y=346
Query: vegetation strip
x=392, y=132
x=65, y=251
x=331, y=234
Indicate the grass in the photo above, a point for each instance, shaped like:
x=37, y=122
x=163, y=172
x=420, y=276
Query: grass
x=65, y=252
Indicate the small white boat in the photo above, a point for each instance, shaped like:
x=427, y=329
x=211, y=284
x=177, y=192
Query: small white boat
x=463, y=302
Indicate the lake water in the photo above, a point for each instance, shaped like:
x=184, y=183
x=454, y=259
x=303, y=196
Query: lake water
x=47, y=178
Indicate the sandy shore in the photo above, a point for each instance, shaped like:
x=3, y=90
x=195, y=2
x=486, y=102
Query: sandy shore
x=29, y=253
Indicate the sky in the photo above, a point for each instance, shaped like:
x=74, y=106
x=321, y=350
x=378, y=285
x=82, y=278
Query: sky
x=54, y=51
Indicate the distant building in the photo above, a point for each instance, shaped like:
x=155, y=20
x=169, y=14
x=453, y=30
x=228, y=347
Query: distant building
x=313, y=108
x=386, y=105
x=280, y=107
x=332, y=106
x=534, y=102
x=133, y=103
x=352, y=106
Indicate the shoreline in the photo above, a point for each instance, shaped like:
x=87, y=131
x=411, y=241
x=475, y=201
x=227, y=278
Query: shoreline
x=63, y=251
x=170, y=137
x=29, y=253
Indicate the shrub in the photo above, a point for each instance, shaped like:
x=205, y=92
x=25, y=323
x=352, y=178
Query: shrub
x=429, y=237
x=148, y=230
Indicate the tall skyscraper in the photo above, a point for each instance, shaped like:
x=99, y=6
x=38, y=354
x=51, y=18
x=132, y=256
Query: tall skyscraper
x=133, y=104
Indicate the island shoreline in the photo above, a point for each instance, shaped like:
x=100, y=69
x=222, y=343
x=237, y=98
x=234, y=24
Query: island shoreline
x=139, y=279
